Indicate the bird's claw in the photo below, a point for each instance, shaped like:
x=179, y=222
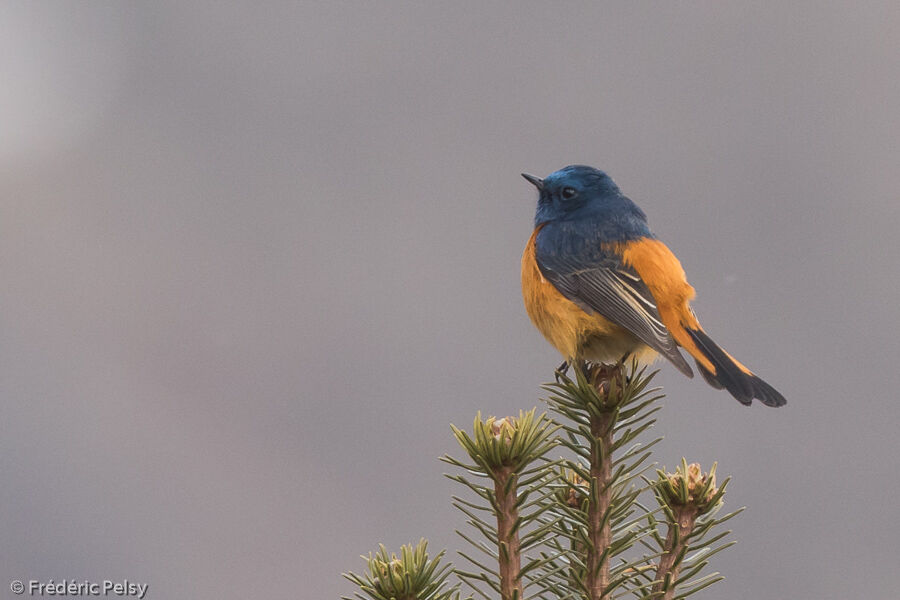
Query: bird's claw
x=561, y=370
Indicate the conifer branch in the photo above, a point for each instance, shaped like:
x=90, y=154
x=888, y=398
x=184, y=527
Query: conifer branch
x=411, y=576
x=608, y=407
x=685, y=496
x=572, y=528
x=510, y=452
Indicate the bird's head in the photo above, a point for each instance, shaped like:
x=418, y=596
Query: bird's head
x=572, y=192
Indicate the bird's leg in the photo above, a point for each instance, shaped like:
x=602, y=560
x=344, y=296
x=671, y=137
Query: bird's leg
x=621, y=365
x=561, y=371
x=581, y=366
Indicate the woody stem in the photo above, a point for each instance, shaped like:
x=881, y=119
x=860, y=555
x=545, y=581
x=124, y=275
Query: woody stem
x=599, y=529
x=674, y=550
x=509, y=558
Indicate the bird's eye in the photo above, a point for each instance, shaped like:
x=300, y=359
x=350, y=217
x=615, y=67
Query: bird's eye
x=569, y=193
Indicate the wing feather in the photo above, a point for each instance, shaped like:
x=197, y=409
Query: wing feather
x=615, y=291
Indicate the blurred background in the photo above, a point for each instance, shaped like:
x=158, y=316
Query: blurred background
x=255, y=259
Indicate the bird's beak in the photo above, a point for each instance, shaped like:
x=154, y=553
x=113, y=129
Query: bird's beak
x=538, y=183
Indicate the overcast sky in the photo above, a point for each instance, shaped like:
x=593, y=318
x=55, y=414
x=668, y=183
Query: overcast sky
x=255, y=260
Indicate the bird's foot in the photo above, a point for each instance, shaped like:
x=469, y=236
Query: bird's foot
x=622, y=366
x=561, y=370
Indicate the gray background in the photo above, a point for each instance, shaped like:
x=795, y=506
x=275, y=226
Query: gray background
x=254, y=261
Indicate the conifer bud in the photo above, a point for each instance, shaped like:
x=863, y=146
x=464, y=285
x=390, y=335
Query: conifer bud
x=696, y=483
x=412, y=574
x=688, y=486
x=502, y=429
x=575, y=493
x=609, y=381
x=507, y=444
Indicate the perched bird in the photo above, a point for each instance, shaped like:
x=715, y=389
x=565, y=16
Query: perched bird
x=600, y=286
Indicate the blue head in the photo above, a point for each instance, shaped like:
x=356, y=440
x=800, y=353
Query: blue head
x=576, y=192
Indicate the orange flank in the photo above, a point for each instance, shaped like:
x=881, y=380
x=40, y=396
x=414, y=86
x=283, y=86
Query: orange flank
x=572, y=331
x=664, y=276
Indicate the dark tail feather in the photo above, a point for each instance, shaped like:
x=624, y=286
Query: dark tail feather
x=744, y=387
x=709, y=377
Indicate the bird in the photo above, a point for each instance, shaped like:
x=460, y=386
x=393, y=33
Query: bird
x=600, y=286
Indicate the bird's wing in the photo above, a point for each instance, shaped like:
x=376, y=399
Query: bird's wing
x=604, y=284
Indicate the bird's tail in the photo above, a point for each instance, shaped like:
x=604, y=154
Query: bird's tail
x=731, y=375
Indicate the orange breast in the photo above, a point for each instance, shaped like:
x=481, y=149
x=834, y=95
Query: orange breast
x=572, y=331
